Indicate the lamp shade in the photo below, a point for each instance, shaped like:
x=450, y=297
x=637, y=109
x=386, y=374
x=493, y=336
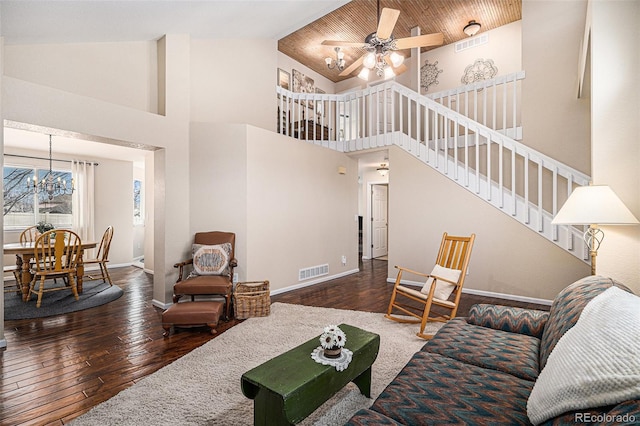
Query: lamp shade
x=594, y=205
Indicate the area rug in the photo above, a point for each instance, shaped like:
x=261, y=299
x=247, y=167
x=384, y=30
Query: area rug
x=203, y=387
x=95, y=293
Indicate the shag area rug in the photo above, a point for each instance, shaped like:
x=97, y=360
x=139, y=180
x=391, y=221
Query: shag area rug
x=203, y=387
x=94, y=293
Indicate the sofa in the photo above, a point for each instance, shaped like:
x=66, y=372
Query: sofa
x=579, y=363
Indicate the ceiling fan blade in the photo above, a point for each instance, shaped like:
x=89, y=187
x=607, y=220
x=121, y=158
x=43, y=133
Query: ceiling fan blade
x=388, y=19
x=400, y=69
x=420, y=41
x=343, y=43
x=351, y=68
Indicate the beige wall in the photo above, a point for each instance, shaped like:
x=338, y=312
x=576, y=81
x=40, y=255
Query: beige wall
x=285, y=201
x=241, y=92
x=554, y=121
x=320, y=82
x=507, y=258
x=3, y=341
x=38, y=104
x=504, y=49
x=218, y=156
x=615, y=116
x=367, y=179
x=301, y=212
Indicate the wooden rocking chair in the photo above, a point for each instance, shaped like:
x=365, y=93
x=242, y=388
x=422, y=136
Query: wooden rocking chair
x=442, y=289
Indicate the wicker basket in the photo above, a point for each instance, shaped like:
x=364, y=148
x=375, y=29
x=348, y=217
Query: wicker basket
x=252, y=299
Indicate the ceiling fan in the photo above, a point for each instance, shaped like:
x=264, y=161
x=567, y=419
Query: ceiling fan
x=382, y=47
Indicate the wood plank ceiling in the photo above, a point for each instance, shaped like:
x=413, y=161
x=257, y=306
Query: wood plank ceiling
x=358, y=18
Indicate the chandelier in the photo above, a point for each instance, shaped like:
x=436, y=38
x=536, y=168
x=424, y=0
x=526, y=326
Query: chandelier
x=338, y=63
x=49, y=185
x=381, y=57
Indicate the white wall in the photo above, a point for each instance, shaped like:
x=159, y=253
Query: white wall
x=615, y=102
x=126, y=72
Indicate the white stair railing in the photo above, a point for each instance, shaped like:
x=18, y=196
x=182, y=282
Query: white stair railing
x=520, y=181
x=495, y=102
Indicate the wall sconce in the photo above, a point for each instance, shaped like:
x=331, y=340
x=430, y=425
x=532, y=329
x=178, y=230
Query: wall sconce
x=471, y=28
x=338, y=63
x=342, y=170
x=383, y=169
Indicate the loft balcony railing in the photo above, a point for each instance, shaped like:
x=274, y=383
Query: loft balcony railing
x=443, y=131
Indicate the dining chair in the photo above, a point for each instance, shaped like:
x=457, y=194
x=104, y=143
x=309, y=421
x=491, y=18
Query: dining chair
x=56, y=255
x=29, y=235
x=102, y=257
x=442, y=289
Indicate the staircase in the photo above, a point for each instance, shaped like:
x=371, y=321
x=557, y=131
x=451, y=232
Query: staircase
x=469, y=134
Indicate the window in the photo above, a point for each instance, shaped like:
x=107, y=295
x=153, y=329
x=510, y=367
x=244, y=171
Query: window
x=23, y=208
x=137, y=203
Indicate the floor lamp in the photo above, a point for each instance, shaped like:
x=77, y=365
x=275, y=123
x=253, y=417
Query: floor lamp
x=594, y=205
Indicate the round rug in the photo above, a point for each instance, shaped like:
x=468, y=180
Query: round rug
x=95, y=293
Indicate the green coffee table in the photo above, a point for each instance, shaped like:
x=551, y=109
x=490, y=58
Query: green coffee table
x=289, y=387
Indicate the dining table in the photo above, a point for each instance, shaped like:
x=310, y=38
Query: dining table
x=26, y=251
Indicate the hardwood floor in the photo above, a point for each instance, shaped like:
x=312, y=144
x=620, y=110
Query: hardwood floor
x=55, y=369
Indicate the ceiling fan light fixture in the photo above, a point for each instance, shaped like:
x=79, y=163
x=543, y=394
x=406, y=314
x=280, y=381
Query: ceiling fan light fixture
x=471, y=28
x=388, y=73
x=364, y=74
x=396, y=59
x=369, y=60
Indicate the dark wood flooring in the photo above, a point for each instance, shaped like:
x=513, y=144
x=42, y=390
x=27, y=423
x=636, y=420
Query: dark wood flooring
x=55, y=369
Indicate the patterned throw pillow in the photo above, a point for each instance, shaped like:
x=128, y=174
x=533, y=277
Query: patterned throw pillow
x=443, y=288
x=211, y=259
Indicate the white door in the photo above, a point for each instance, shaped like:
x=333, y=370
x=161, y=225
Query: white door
x=379, y=220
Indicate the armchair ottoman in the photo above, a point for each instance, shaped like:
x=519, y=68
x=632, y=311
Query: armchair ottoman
x=190, y=314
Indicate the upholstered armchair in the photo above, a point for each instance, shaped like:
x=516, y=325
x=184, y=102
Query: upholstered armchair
x=213, y=261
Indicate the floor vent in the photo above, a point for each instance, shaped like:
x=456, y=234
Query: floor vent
x=312, y=272
x=472, y=42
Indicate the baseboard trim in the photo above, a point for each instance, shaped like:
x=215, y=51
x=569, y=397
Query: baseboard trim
x=161, y=305
x=516, y=298
x=313, y=282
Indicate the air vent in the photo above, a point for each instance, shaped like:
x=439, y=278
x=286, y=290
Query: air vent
x=471, y=42
x=312, y=272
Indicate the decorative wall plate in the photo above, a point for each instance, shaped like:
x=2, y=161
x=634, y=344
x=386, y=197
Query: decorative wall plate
x=480, y=70
x=429, y=75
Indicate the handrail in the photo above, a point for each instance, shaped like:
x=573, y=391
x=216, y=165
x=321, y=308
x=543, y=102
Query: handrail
x=521, y=181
